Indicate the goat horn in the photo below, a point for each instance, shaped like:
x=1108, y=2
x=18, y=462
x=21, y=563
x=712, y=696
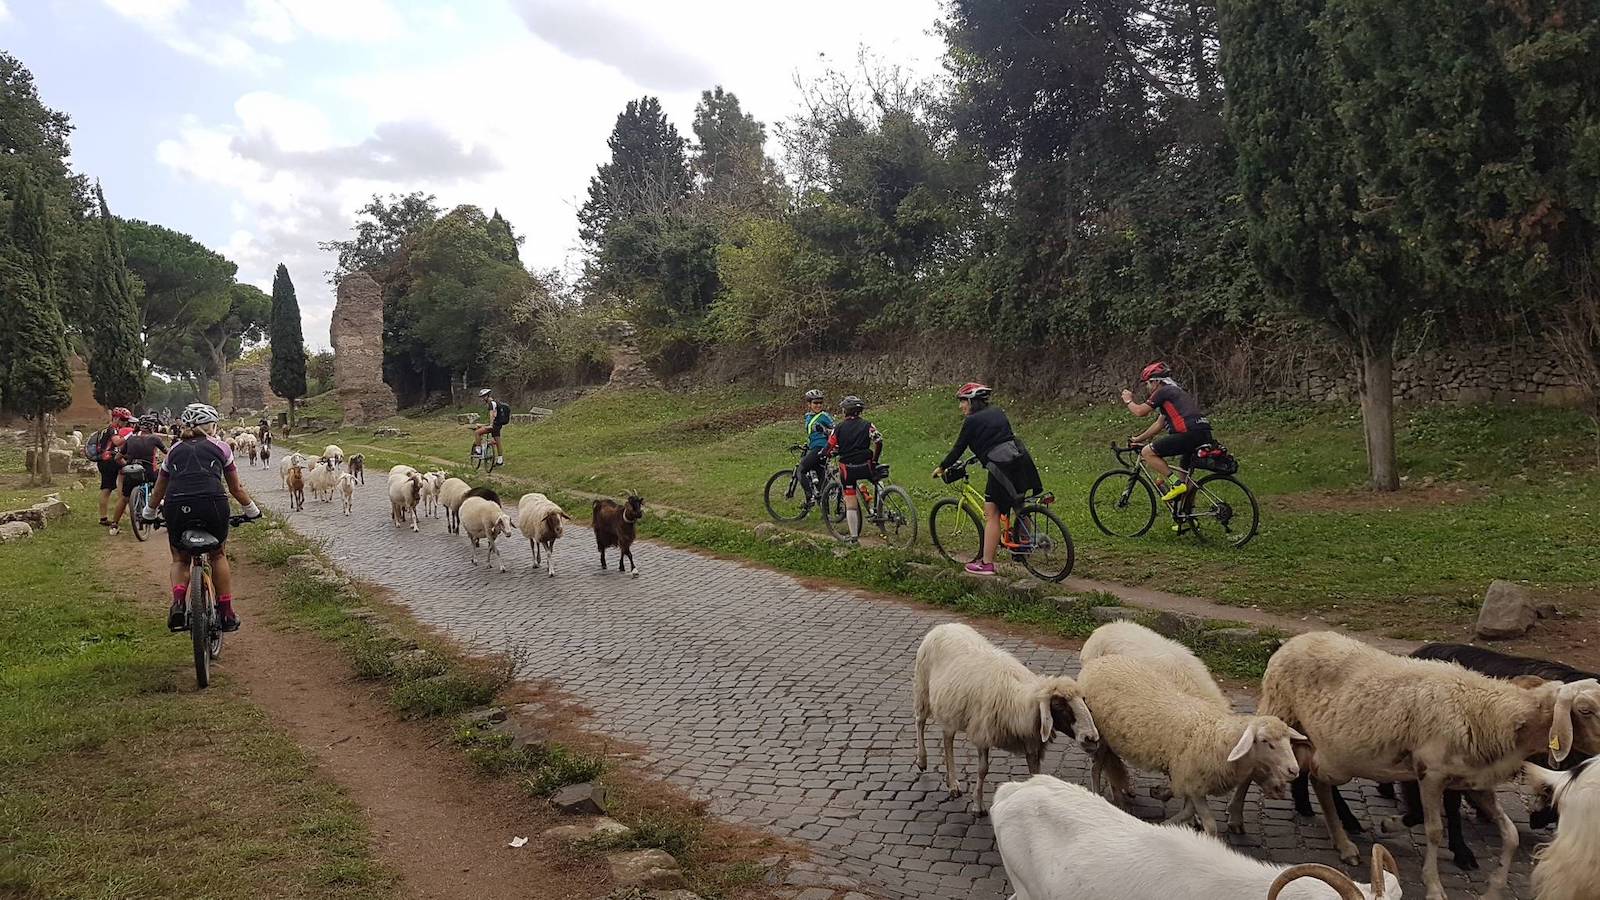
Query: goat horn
x=1381, y=861
x=1334, y=878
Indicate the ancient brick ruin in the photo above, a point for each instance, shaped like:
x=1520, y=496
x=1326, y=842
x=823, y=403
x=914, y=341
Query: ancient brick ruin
x=357, y=335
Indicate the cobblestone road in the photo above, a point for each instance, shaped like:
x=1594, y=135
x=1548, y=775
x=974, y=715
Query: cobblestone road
x=785, y=706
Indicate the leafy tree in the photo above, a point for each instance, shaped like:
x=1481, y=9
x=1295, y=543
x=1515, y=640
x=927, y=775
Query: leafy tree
x=38, y=378
x=319, y=369
x=647, y=175
x=734, y=176
x=505, y=241
x=186, y=292
x=248, y=317
x=382, y=229
x=288, y=375
x=116, y=352
x=775, y=288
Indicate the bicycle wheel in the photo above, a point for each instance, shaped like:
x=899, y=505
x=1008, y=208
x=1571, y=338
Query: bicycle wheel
x=1050, y=554
x=785, y=498
x=136, y=502
x=1122, y=503
x=1225, y=510
x=833, y=499
x=954, y=529
x=896, y=517
x=200, y=624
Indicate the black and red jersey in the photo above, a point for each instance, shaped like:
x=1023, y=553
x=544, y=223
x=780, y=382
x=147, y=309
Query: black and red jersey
x=856, y=441
x=1179, y=409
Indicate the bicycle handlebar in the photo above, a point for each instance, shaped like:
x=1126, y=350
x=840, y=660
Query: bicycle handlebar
x=233, y=521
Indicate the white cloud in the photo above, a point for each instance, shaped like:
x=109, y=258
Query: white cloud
x=211, y=44
x=150, y=11
x=282, y=21
x=5, y=13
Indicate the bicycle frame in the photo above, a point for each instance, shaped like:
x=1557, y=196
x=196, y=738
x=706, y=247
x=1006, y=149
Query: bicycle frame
x=973, y=501
x=1186, y=513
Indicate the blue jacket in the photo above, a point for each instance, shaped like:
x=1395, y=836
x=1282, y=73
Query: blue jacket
x=817, y=427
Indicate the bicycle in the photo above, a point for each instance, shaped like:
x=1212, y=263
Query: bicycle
x=205, y=629
x=483, y=453
x=883, y=505
x=807, y=492
x=138, y=498
x=1127, y=506
x=1038, y=539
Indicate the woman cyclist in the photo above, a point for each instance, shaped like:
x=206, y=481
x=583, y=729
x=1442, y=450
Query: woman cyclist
x=192, y=492
x=1012, y=474
x=140, y=449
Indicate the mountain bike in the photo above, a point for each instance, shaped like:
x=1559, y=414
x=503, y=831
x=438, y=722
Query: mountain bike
x=1217, y=505
x=884, y=506
x=483, y=453
x=789, y=498
x=205, y=629
x=1038, y=538
x=138, y=498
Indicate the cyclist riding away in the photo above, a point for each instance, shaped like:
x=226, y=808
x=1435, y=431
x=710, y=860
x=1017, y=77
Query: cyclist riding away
x=1185, y=423
x=818, y=426
x=858, y=445
x=105, y=446
x=192, y=492
x=499, y=415
x=140, y=449
x=986, y=431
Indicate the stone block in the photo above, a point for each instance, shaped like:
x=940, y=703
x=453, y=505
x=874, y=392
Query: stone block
x=645, y=869
x=600, y=826
x=60, y=461
x=586, y=799
x=1175, y=624
x=1105, y=614
x=1508, y=611
x=15, y=531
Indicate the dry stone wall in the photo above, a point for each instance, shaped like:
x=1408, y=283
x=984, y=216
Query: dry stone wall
x=357, y=336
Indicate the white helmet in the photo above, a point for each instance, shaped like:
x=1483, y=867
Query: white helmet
x=485, y=392
x=196, y=415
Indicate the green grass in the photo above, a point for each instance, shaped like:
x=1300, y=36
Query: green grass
x=120, y=780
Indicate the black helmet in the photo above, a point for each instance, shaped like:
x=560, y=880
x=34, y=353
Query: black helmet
x=813, y=394
x=852, y=404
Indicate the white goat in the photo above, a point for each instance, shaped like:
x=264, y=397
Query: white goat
x=333, y=452
x=291, y=461
x=323, y=479
x=1133, y=639
x=1145, y=718
x=967, y=684
x=1569, y=867
x=1371, y=714
x=539, y=519
x=484, y=520
x=347, y=488
x=451, y=493
x=405, y=488
x=1061, y=842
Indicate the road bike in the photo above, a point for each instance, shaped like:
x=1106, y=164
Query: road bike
x=789, y=497
x=1216, y=506
x=885, y=507
x=483, y=453
x=1038, y=538
x=138, y=498
x=205, y=630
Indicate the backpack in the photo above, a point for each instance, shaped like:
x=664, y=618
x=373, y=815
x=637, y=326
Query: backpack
x=1215, y=458
x=502, y=414
x=91, y=447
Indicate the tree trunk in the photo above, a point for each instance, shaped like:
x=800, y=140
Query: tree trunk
x=1377, y=412
x=202, y=384
x=41, y=452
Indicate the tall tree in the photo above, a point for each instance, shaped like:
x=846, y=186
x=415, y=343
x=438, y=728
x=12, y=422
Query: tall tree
x=187, y=290
x=382, y=229
x=288, y=377
x=38, y=378
x=733, y=174
x=647, y=175
x=248, y=317
x=116, y=352
x=504, y=239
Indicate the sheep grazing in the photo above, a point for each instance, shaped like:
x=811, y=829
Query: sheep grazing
x=333, y=452
x=357, y=466
x=294, y=481
x=969, y=685
x=451, y=493
x=405, y=489
x=1146, y=718
x=539, y=519
x=1180, y=663
x=615, y=525
x=347, y=489
x=323, y=479
x=1061, y=842
x=431, y=483
x=1371, y=714
x=483, y=519
x=1568, y=868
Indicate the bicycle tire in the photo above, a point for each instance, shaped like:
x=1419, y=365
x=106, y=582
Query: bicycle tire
x=136, y=503
x=958, y=520
x=199, y=625
x=772, y=510
x=1237, y=538
x=1034, y=560
x=832, y=497
x=1127, y=498
x=905, y=533
x=833, y=511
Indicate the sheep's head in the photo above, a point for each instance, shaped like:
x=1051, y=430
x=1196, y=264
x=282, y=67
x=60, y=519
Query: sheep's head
x=1575, y=721
x=1061, y=708
x=503, y=525
x=1268, y=744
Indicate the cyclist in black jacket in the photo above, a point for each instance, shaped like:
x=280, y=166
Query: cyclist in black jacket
x=858, y=445
x=986, y=431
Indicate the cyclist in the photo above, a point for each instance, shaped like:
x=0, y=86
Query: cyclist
x=499, y=415
x=858, y=446
x=107, y=443
x=819, y=424
x=192, y=492
x=986, y=431
x=139, y=449
x=1185, y=423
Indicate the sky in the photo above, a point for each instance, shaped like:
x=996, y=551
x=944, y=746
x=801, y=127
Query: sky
x=259, y=127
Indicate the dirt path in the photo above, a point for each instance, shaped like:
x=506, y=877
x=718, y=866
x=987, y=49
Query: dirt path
x=444, y=830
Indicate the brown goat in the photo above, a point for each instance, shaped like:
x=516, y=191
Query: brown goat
x=614, y=527
x=357, y=466
x=295, y=480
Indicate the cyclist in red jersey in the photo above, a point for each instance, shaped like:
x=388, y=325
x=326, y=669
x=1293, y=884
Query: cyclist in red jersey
x=1180, y=416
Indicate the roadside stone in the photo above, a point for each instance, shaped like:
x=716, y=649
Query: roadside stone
x=1069, y=605
x=766, y=531
x=52, y=508
x=586, y=799
x=1508, y=611
x=925, y=570
x=15, y=531
x=1175, y=624
x=485, y=716
x=524, y=734
x=1237, y=638
x=645, y=868
x=1103, y=614
x=1029, y=590
x=583, y=831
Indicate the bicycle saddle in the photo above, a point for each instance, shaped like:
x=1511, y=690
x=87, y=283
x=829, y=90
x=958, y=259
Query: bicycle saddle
x=197, y=541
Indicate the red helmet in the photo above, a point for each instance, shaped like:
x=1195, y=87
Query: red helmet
x=122, y=413
x=1155, y=370
x=972, y=390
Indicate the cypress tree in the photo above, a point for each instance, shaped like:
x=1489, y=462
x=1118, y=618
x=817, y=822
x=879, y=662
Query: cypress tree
x=116, y=352
x=38, y=378
x=504, y=240
x=288, y=378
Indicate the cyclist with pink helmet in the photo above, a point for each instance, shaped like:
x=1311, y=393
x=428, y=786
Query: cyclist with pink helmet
x=1185, y=424
x=986, y=431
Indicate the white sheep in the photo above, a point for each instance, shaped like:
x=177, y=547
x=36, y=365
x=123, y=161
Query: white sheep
x=451, y=493
x=484, y=520
x=323, y=479
x=431, y=482
x=1133, y=639
x=1145, y=717
x=969, y=685
x=1371, y=714
x=539, y=519
x=401, y=469
x=405, y=488
x=1061, y=842
x=333, y=452
x=347, y=488
x=1569, y=867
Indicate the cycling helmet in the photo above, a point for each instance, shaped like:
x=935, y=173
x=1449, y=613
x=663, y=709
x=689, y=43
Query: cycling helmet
x=972, y=390
x=485, y=392
x=1155, y=370
x=197, y=414
x=813, y=395
x=852, y=404
x=149, y=420
x=122, y=413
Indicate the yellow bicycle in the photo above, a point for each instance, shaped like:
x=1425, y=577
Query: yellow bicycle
x=1038, y=538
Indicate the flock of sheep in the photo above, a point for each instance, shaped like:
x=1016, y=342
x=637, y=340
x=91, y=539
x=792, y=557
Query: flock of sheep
x=475, y=512
x=1332, y=709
